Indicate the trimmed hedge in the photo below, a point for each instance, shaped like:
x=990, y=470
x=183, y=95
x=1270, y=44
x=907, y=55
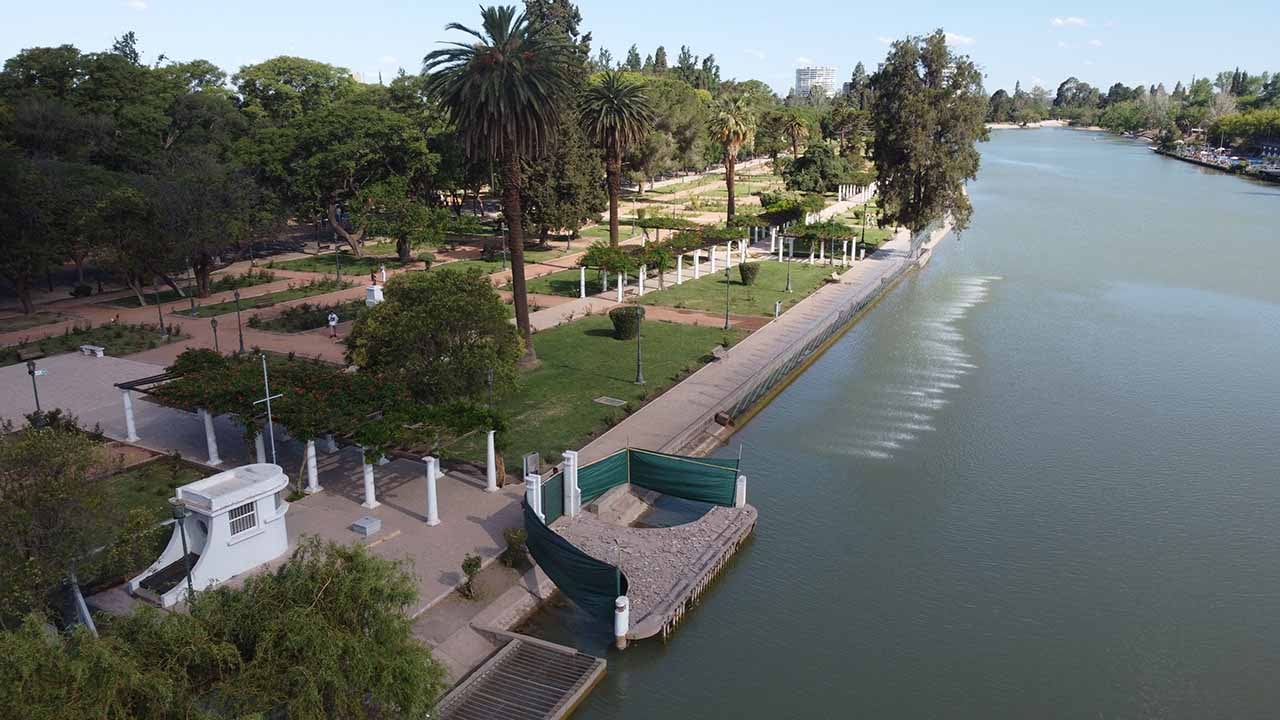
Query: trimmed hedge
x=749, y=271
x=626, y=321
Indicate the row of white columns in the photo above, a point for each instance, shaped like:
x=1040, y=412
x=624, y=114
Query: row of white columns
x=846, y=192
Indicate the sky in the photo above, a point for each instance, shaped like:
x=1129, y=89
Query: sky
x=1139, y=41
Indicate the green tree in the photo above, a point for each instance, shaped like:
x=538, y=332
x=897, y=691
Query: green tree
x=441, y=334
x=927, y=116
x=660, y=60
x=796, y=127
x=819, y=170
x=284, y=88
x=633, y=62
x=562, y=189
x=615, y=113
x=506, y=92
x=389, y=209
x=734, y=127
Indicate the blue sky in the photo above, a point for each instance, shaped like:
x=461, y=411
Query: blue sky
x=1099, y=42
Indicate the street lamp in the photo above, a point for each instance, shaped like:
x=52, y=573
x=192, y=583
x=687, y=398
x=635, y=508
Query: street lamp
x=179, y=517
x=239, y=329
x=791, y=251
x=726, y=293
x=33, y=372
x=639, y=351
x=213, y=323
x=159, y=311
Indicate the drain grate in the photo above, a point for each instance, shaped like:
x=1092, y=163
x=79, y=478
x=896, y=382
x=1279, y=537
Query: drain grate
x=610, y=401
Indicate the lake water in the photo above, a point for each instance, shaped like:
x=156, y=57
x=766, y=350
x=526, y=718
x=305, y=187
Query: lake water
x=1041, y=479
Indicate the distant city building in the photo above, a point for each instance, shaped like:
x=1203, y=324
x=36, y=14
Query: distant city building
x=808, y=78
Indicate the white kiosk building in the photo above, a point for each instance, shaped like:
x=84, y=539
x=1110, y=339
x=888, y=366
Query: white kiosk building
x=232, y=523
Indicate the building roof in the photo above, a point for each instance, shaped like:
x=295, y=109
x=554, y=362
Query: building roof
x=228, y=489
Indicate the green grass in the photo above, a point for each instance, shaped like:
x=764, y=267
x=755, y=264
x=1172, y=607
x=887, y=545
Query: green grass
x=220, y=283
x=26, y=322
x=564, y=282
x=707, y=292
x=118, y=339
x=489, y=267
x=317, y=287
x=149, y=486
x=553, y=410
x=327, y=264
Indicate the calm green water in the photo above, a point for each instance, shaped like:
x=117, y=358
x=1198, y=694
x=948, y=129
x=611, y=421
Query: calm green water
x=1041, y=480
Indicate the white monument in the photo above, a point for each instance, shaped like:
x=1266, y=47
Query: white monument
x=373, y=295
x=233, y=522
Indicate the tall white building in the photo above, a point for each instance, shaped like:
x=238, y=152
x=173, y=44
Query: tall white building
x=808, y=78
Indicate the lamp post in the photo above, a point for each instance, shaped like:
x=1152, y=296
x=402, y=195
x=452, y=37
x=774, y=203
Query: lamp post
x=239, y=329
x=179, y=517
x=791, y=250
x=639, y=351
x=213, y=323
x=159, y=311
x=33, y=372
x=726, y=293
x=267, y=398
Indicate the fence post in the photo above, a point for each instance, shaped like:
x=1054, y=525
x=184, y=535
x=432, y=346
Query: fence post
x=740, y=492
x=533, y=494
x=582, y=282
x=621, y=621
x=679, y=269
x=572, y=493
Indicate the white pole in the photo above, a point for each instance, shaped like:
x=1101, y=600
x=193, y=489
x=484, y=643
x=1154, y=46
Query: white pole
x=844, y=250
x=211, y=440
x=313, y=479
x=713, y=259
x=822, y=251
x=131, y=431
x=582, y=282
x=491, y=464
x=370, y=494
x=773, y=241
x=533, y=494
x=605, y=278
x=260, y=447
x=862, y=254
x=622, y=281
x=621, y=621
x=697, y=264
x=572, y=493
x=640, y=286
x=742, y=244
x=740, y=492
x=780, y=244
x=680, y=269
x=433, y=510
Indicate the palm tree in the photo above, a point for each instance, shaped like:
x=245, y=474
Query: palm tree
x=615, y=113
x=734, y=125
x=505, y=92
x=796, y=129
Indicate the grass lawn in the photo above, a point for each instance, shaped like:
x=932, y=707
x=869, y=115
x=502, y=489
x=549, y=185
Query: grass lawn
x=564, y=282
x=26, y=322
x=149, y=486
x=327, y=264
x=119, y=339
x=553, y=410
x=319, y=287
x=492, y=266
x=707, y=292
x=218, y=283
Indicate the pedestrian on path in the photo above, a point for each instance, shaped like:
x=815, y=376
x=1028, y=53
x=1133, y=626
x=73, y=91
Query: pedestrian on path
x=333, y=325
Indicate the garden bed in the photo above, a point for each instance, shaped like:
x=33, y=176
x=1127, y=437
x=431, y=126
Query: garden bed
x=15, y=323
x=315, y=287
x=218, y=284
x=327, y=264
x=308, y=316
x=116, y=339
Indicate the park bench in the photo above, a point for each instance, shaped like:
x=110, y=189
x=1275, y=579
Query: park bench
x=94, y=350
x=29, y=353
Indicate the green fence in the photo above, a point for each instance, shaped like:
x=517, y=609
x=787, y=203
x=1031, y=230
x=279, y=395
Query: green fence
x=591, y=584
x=553, y=497
x=707, y=480
x=600, y=476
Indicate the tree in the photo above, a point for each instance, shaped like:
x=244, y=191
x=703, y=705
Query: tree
x=818, y=170
x=796, y=128
x=927, y=115
x=283, y=88
x=441, y=334
x=615, y=113
x=734, y=127
x=633, y=62
x=28, y=212
x=562, y=189
x=660, y=60
x=505, y=92
x=859, y=88
x=388, y=209
x=1000, y=107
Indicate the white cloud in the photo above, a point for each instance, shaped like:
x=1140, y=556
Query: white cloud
x=802, y=60
x=1069, y=21
x=958, y=39
x=757, y=54
x=137, y=4
x=1095, y=43
x=1063, y=44
x=1036, y=81
x=885, y=40
x=388, y=60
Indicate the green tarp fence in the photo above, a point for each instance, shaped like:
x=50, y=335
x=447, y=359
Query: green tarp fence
x=553, y=498
x=591, y=584
x=709, y=480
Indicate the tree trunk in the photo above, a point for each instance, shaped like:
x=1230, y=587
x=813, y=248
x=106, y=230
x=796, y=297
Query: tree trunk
x=202, y=268
x=613, y=168
x=511, y=213
x=795, y=147
x=354, y=240
x=23, y=283
x=136, y=286
x=402, y=249
x=730, y=160
x=79, y=259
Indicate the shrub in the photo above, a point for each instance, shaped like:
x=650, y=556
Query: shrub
x=470, y=568
x=81, y=291
x=626, y=321
x=749, y=271
x=516, y=551
x=426, y=258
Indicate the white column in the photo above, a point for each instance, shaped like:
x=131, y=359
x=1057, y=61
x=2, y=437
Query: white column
x=313, y=478
x=697, y=264
x=680, y=269
x=740, y=492
x=370, y=494
x=742, y=244
x=433, y=510
x=582, y=282
x=491, y=464
x=259, y=447
x=640, y=280
x=330, y=444
x=844, y=251
x=622, y=281
x=604, y=277
x=533, y=494
x=822, y=250
x=781, y=242
x=131, y=430
x=621, y=621
x=572, y=493
x=862, y=254
x=210, y=439
x=713, y=259
x=773, y=241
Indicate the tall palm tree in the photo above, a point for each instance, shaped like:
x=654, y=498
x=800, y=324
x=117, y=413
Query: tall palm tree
x=796, y=128
x=615, y=113
x=734, y=125
x=505, y=92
